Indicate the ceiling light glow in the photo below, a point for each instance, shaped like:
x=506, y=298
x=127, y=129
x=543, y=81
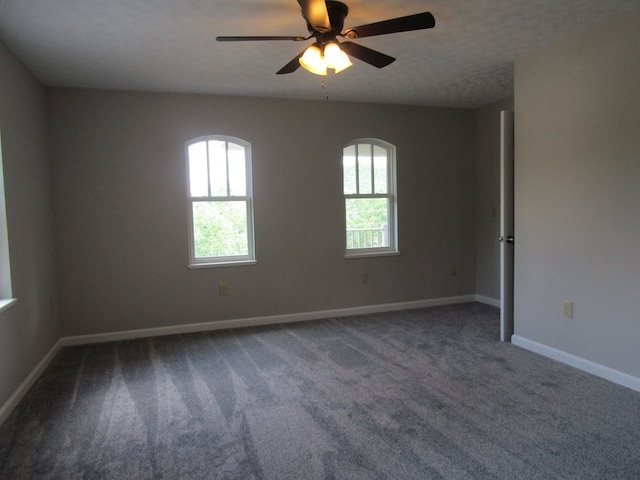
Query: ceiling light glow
x=317, y=60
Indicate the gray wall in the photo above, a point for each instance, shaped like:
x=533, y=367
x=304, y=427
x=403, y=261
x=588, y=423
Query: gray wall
x=28, y=329
x=121, y=208
x=488, y=198
x=577, y=189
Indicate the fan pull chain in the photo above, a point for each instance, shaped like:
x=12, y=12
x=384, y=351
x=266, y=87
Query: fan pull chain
x=325, y=85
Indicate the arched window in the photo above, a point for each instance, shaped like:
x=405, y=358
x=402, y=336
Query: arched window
x=220, y=201
x=369, y=179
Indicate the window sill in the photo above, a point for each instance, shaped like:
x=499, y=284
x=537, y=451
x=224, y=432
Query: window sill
x=370, y=254
x=7, y=303
x=239, y=263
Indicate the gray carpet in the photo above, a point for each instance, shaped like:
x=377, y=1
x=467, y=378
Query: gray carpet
x=419, y=394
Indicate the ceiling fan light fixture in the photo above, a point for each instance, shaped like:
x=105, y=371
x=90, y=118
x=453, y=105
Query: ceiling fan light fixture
x=317, y=60
x=325, y=22
x=313, y=61
x=335, y=57
x=343, y=63
x=332, y=54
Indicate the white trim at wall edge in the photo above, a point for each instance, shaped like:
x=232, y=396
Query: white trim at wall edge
x=580, y=363
x=21, y=391
x=488, y=301
x=258, y=321
x=5, y=303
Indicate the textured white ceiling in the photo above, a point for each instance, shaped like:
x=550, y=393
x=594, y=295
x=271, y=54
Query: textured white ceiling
x=169, y=45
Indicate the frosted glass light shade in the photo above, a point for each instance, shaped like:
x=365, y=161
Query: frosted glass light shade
x=317, y=60
x=332, y=54
x=343, y=63
x=313, y=61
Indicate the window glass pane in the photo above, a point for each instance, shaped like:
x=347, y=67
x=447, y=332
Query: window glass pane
x=218, y=168
x=6, y=291
x=349, y=169
x=237, y=167
x=220, y=229
x=367, y=222
x=380, y=169
x=364, y=168
x=198, y=170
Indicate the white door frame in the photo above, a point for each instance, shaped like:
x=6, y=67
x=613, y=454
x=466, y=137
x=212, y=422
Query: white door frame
x=506, y=225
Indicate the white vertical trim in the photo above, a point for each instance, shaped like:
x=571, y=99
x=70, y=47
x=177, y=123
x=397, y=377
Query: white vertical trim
x=506, y=224
x=6, y=291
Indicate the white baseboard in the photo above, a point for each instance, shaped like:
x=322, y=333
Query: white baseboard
x=580, y=363
x=12, y=402
x=257, y=321
x=21, y=391
x=488, y=300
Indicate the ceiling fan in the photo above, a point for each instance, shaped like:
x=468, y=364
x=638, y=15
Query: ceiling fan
x=325, y=22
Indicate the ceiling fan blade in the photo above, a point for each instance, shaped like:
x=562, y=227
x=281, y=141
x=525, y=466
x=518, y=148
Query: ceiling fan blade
x=372, y=57
x=258, y=39
x=292, y=66
x=316, y=14
x=419, y=21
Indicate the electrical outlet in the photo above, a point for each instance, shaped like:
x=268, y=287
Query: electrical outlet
x=567, y=309
x=223, y=289
x=454, y=270
x=364, y=278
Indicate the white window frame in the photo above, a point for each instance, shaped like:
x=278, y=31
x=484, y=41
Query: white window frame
x=6, y=290
x=391, y=196
x=220, y=261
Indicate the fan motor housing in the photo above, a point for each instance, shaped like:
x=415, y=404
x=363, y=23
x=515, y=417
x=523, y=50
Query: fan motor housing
x=337, y=12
